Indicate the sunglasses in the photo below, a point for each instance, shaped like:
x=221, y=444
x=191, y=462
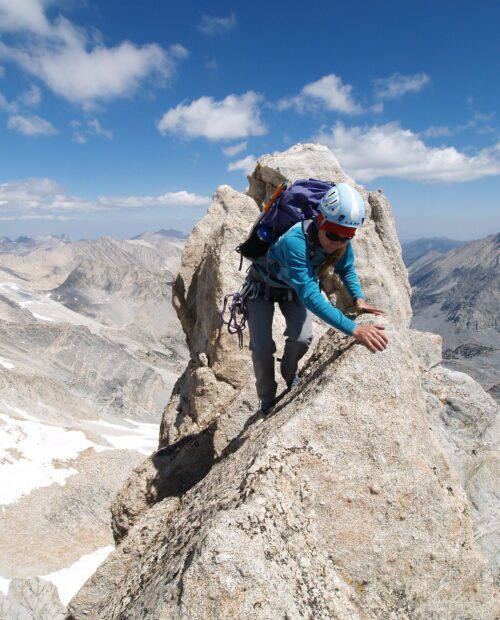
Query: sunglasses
x=334, y=237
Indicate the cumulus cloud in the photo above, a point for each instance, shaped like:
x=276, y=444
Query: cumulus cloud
x=217, y=25
x=246, y=164
x=328, y=93
x=232, y=118
x=231, y=151
x=31, y=125
x=72, y=64
x=45, y=199
x=22, y=15
x=83, y=76
x=391, y=151
x=398, y=85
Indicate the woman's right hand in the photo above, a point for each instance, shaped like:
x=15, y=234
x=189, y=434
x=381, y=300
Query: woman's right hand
x=371, y=336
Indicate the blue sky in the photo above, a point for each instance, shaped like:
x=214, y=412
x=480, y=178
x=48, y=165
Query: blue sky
x=122, y=116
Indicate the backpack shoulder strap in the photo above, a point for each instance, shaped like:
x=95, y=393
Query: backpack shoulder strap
x=309, y=230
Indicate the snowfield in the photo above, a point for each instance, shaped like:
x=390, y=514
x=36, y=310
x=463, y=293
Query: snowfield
x=28, y=454
x=43, y=308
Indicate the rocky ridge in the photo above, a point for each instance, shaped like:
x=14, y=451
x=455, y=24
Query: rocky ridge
x=456, y=294
x=367, y=494
x=422, y=250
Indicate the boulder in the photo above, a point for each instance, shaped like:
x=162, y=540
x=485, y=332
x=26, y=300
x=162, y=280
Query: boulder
x=31, y=599
x=428, y=348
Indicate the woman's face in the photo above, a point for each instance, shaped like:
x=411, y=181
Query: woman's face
x=328, y=245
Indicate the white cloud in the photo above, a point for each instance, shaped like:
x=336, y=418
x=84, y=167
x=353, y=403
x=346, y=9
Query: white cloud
x=32, y=97
x=85, y=77
x=247, y=165
x=178, y=51
x=231, y=151
x=217, y=25
x=75, y=66
x=233, y=117
x=437, y=131
x=480, y=116
x=8, y=106
x=391, y=151
x=96, y=129
x=91, y=127
x=45, y=199
x=170, y=199
x=19, y=15
x=479, y=123
x=328, y=93
x=398, y=85
x=31, y=125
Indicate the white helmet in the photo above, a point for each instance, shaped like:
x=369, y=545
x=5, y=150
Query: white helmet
x=342, y=205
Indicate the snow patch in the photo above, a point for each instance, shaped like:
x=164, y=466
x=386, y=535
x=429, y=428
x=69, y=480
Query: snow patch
x=133, y=435
x=4, y=585
x=42, y=318
x=43, y=307
x=6, y=364
x=69, y=580
x=28, y=450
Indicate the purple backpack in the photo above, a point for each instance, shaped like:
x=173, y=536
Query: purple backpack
x=297, y=203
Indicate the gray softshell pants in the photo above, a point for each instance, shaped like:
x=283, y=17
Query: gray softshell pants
x=298, y=334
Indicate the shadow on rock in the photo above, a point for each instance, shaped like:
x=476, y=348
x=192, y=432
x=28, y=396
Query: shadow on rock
x=170, y=472
x=183, y=464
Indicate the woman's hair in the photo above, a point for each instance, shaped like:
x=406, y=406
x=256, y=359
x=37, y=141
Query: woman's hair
x=331, y=261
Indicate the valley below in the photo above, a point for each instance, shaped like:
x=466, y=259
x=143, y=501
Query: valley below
x=90, y=348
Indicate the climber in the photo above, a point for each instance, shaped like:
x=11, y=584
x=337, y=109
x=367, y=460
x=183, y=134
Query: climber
x=289, y=275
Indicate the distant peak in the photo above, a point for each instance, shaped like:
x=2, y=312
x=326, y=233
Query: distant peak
x=170, y=232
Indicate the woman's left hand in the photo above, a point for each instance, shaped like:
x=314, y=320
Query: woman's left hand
x=362, y=307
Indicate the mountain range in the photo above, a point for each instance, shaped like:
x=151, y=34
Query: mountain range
x=90, y=348
x=456, y=293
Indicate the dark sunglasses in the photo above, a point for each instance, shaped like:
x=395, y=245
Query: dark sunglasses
x=334, y=237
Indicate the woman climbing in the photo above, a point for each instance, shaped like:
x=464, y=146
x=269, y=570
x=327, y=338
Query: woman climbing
x=289, y=276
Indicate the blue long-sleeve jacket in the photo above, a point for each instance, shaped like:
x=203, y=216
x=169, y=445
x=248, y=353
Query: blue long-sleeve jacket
x=288, y=261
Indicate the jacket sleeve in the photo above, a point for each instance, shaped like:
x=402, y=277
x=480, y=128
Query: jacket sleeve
x=301, y=277
x=345, y=269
